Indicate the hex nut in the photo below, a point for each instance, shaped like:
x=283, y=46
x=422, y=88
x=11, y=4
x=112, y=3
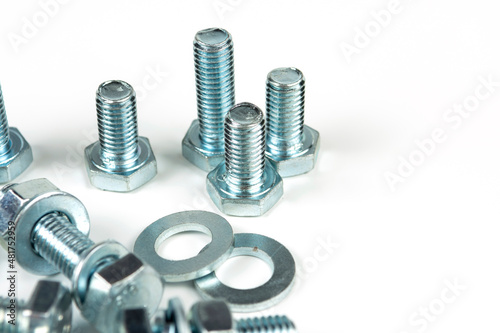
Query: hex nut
x=134, y=321
x=300, y=162
x=18, y=159
x=120, y=181
x=193, y=151
x=23, y=204
x=49, y=309
x=211, y=317
x=245, y=204
x=125, y=283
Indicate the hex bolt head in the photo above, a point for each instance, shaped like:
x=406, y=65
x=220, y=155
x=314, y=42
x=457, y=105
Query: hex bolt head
x=121, y=161
x=15, y=152
x=245, y=184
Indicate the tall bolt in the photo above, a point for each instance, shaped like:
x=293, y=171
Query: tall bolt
x=50, y=229
x=245, y=184
x=121, y=160
x=48, y=310
x=203, y=144
x=15, y=151
x=292, y=147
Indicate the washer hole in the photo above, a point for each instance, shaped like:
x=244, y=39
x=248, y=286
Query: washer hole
x=244, y=272
x=183, y=245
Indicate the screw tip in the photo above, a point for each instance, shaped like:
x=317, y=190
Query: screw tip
x=115, y=90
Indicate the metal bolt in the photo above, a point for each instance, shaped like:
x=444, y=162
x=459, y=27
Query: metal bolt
x=15, y=151
x=50, y=238
x=245, y=184
x=292, y=147
x=203, y=144
x=205, y=317
x=48, y=310
x=120, y=161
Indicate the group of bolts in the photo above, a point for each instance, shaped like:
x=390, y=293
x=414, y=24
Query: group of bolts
x=245, y=154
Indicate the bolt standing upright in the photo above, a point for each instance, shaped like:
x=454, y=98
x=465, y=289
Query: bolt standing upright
x=292, y=147
x=120, y=161
x=203, y=144
x=245, y=184
x=15, y=151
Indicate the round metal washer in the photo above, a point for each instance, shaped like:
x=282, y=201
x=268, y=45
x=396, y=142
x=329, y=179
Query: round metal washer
x=210, y=258
x=270, y=293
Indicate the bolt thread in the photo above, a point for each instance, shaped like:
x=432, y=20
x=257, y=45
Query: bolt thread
x=285, y=99
x=214, y=69
x=59, y=242
x=275, y=324
x=245, y=144
x=5, y=327
x=5, y=142
x=117, y=123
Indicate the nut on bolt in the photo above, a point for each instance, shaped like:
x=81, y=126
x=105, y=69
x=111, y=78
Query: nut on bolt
x=120, y=161
x=51, y=230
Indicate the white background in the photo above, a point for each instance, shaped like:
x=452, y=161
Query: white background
x=394, y=248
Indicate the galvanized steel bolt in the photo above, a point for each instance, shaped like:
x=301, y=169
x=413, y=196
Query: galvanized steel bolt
x=203, y=144
x=205, y=317
x=51, y=232
x=245, y=184
x=121, y=160
x=15, y=152
x=48, y=310
x=292, y=147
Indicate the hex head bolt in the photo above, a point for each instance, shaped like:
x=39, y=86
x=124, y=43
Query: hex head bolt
x=48, y=310
x=292, y=147
x=245, y=184
x=203, y=144
x=15, y=151
x=205, y=317
x=120, y=161
x=51, y=230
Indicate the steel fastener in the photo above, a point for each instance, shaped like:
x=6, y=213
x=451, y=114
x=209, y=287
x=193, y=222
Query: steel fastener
x=48, y=310
x=203, y=144
x=245, y=184
x=51, y=229
x=204, y=317
x=15, y=151
x=120, y=161
x=292, y=147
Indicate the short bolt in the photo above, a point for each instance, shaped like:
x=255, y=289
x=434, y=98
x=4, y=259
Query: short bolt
x=15, y=152
x=245, y=184
x=121, y=160
x=203, y=144
x=106, y=277
x=292, y=147
x=48, y=310
x=205, y=317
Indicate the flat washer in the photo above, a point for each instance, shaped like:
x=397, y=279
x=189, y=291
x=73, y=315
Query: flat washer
x=270, y=293
x=210, y=258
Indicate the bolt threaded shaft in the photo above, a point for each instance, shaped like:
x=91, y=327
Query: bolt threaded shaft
x=5, y=142
x=214, y=69
x=245, y=145
x=59, y=242
x=275, y=324
x=5, y=327
x=285, y=99
x=117, y=122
